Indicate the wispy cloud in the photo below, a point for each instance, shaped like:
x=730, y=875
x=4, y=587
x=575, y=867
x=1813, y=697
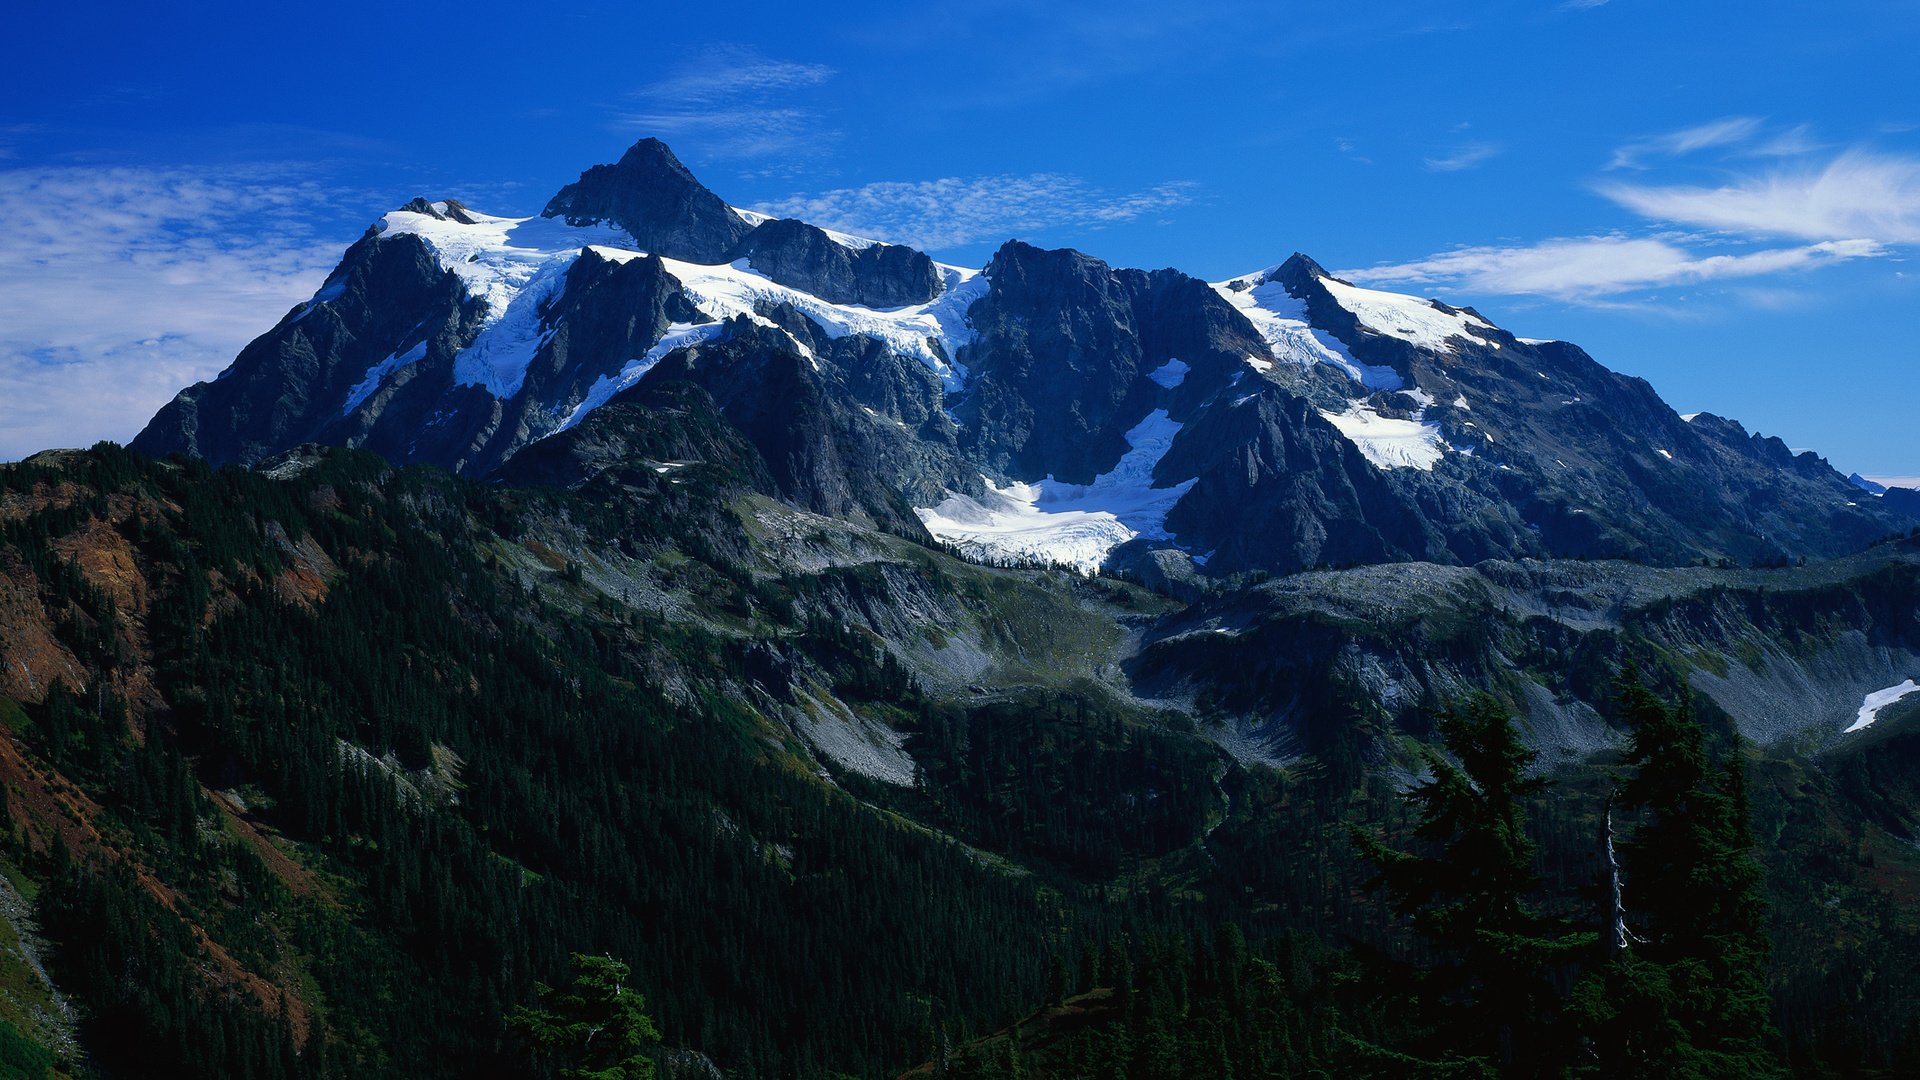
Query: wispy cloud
x=1592, y=269
x=1792, y=142
x=1725, y=131
x=1464, y=156
x=1581, y=5
x=935, y=214
x=726, y=74
x=119, y=286
x=1859, y=194
x=1895, y=481
x=735, y=103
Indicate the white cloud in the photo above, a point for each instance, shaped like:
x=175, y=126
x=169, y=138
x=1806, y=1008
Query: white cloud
x=1465, y=156
x=119, y=286
x=1789, y=143
x=1894, y=481
x=934, y=214
x=1581, y=5
x=1859, y=194
x=1726, y=131
x=1592, y=268
x=726, y=74
x=734, y=103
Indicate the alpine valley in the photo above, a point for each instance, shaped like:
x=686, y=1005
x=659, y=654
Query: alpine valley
x=1045, y=669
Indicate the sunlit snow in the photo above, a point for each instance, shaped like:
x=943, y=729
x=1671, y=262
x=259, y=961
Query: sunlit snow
x=931, y=333
x=1871, y=705
x=515, y=265
x=678, y=336
x=845, y=240
x=1388, y=442
x=1408, y=318
x=1282, y=320
x=518, y=267
x=366, y=386
x=1075, y=524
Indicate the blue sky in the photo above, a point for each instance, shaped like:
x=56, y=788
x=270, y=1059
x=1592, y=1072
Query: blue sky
x=1722, y=198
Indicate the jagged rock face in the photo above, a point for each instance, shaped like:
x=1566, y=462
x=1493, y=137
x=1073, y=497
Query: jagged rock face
x=386, y=297
x=1065, y=347
x=1057, y=359
x=1592, y=461
x=607, y=313
x=650, y=432
x=807, y=258
x=1903, y=500
x=657, y=201
x=1285, y=420
x=777, y=396
x=1280, y=488
x=391, y=304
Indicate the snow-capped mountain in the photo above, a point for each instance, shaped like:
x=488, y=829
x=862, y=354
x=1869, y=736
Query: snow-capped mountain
x=1046, y=406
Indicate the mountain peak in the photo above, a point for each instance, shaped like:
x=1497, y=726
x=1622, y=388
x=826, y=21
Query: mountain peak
x=653, y=154
x=1297, y=270
x=658, y=201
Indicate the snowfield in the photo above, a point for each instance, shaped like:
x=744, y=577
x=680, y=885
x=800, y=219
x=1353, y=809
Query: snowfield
x=1282, y=320
x=1074, y=524
x=1388, y=442
x=1871, y=705
x=518, y=267
x=1408, y=318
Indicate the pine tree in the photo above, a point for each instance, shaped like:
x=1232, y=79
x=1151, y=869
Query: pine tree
x=596, y=1028
x=1467, y=894
x=1688, y=995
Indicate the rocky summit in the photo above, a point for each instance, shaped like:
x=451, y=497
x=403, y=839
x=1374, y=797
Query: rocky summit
x=1046, y=407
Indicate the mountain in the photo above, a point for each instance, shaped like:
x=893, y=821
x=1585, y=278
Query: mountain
x=1045, y=407
x=899, y=663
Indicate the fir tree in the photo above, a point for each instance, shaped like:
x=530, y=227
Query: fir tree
x=1688, y=995
x=596, y=1028
x=1467, y=894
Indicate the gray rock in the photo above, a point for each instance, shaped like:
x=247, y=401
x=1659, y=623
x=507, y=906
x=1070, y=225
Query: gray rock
x=657, y=201
x=799, y=255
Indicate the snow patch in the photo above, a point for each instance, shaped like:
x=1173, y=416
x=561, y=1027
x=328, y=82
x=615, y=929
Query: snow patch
x=331, y=291
x=678, y=336
x=932, y=333
x=1408, y=318
x=1388, y=442
x=514, y=266
x=511, y=336
x=845, y=240
x=1170, y=374
x=1282, y=320
x=518, y=265
x=1075, y=524
x=364, y=389
x=1871, y=705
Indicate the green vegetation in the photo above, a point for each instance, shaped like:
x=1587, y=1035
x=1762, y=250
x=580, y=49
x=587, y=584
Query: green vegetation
x=597, y=1025
x=391, y=817
x=20, y=1057
x=1482, y=1001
